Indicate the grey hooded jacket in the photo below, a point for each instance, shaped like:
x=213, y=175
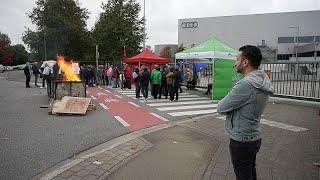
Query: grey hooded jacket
x=244, y=105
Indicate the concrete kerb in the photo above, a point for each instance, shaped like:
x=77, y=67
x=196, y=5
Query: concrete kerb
x=67, y=164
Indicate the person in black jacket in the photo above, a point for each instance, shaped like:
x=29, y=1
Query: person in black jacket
x=177, y=79
x=36, y=72
x=26, y=71
x=144, y=82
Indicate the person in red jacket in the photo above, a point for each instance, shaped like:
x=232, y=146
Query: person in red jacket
x=128, y=75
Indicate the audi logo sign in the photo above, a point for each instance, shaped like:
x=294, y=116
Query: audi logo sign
x=189, y=24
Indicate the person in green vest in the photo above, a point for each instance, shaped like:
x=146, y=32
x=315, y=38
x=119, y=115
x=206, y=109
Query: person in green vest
x=156, y=81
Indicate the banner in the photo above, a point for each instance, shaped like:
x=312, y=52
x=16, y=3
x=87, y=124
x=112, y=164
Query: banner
x=224, y=77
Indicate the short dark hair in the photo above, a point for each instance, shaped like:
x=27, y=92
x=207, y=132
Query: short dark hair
x=253, y=54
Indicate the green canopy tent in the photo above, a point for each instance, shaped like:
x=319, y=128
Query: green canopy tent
x=222, y=57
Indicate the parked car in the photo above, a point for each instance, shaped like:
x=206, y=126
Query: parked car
x=2, y=68
x=9, y=68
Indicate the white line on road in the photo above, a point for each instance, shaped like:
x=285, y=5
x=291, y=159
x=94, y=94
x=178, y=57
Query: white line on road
x=187, y=107
x=104, y=106
x=93, y=97
x=124, y=123
x=107, y=91
x=180, y=99
x=158, y=116
x=189, y=95
x=118, y=96
x=136, y=105
x=282, y=125
x=100, y=87
x=186, y=113
x=180, y=103
x=275, y=124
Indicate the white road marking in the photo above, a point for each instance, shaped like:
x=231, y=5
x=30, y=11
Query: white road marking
x=282, y=125
x=124, y=123
x=180, y=99
x=107, y=91
x=189, y=95
x=93, y=97
x=171, y=108
x=104, y=106
x=186, y=113
x=118, y=96
x=100, y=87
x=136, y=105
x=158, y=116
x=180, y=103
x=275, y=124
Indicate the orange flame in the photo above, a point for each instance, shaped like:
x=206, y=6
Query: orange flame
x=68, y=69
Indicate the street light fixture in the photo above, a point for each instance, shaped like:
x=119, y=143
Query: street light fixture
x=296, y=39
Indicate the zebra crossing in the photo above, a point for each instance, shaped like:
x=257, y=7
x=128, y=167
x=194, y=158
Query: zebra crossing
x=187, y=105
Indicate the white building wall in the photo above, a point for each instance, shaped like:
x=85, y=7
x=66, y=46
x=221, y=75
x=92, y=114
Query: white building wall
x=237, y=31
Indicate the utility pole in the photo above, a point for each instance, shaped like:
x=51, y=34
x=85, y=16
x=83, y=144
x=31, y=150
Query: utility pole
x=45, y=45
x=144, y=23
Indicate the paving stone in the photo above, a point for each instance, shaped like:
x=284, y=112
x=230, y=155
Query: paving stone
x=82, y=173
x=76, y=168
x=217, y=177
x=85, y=163
x=59, y=178
x=120, y=157
x=107, y=166
x=66, y=174
x=90, y=177
x=113, y=161
x=104, y=176
x=74, y=177
x=91, y=167
x=106, y=158
x=219, y=171
x=98, y=172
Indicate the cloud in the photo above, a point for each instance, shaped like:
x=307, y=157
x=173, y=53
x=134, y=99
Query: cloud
x=162, y=15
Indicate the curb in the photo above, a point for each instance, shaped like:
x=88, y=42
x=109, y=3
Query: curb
x=109, y=145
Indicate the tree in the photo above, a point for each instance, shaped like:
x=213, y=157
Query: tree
x=166, y=52
x=180, y=48
x=118, y=26
x=5, y=56
x=19, y=54
x=62, y=25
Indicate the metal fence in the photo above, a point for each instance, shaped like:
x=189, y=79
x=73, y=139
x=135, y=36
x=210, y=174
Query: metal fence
x=295, y=79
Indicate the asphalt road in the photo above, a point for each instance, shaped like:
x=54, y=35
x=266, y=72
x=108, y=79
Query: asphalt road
x=32, y=141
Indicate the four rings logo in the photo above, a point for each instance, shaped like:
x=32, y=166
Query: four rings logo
x=189, y=24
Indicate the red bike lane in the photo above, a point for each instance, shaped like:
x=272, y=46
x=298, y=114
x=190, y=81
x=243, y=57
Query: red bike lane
x=131, y=115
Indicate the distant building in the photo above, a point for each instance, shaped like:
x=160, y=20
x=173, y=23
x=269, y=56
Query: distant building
x=158, y=49
x=280, y=36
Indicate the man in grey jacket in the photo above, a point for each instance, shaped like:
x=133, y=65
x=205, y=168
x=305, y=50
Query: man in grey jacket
x=243, y=106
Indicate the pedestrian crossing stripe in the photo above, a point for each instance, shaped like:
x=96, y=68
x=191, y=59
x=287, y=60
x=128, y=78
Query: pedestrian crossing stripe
x=129, y=93
x=187, y=107
x=189, y=95
x=180, y=99
x=180, y=103
x=188, y=113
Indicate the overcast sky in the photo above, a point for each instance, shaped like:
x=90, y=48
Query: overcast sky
x=162, y=15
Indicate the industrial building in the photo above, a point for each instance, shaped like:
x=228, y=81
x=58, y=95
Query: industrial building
x=280, y=36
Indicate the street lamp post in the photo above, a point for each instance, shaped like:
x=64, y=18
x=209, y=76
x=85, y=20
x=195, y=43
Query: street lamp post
x=296, y=39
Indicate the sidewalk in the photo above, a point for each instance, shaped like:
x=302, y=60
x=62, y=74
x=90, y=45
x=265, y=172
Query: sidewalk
x=198, y=149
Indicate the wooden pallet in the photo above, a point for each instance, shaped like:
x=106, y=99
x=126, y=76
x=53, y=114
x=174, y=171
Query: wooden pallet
x=71, y=106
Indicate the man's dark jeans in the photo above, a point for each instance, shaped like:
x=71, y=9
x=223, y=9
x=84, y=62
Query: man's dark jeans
x=243, y=157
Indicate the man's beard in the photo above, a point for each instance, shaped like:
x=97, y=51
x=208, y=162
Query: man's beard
x=239, y=68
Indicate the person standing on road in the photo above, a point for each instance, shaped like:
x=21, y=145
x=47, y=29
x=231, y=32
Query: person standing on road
x=36, y=72
x=128, y=76
x=27, y=73
x=137, y=80
x=144, y=82
x=156, y=81
x=243, y=106
x=45, y=75
x=170, y=83
x=177, y=85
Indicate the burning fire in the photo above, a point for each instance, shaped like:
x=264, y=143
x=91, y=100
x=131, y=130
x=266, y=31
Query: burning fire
x=68, y=69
